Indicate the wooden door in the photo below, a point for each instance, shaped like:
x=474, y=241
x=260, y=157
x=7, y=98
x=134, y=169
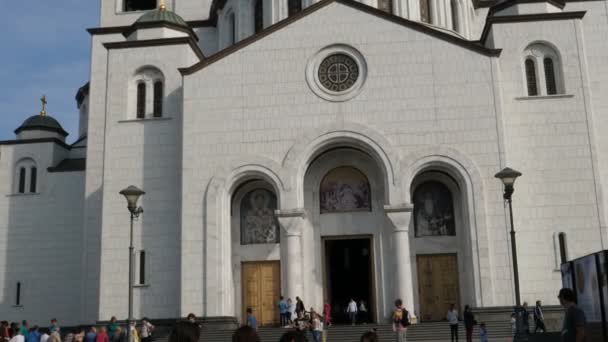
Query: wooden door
x=438, y=285
x=261, y=291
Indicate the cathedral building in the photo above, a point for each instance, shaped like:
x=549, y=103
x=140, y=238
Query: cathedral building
x=326, y=149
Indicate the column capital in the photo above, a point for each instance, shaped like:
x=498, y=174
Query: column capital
x=400, y=216
x=291, y=220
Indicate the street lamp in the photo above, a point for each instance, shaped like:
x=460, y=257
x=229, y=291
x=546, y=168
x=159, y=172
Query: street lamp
x=132, y=194
x=508, y=177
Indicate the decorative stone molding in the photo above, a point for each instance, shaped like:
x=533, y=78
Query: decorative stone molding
x=400, y=216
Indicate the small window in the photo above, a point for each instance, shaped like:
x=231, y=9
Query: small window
x=294, y=7
x=139, y=5
x=425, y=11
x=158, y=99
x=563, y=251
x=230, y=29
x=141, y=100
x=259, y=15
x=385, y=5
x=455, y=14
x=142, y=267
x=550, y=76
x=33, y=175
x=22, y=172
x=531, y=77
x=18, y=294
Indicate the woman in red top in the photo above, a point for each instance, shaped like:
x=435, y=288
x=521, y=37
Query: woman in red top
x=327, y=315
x=102, y=335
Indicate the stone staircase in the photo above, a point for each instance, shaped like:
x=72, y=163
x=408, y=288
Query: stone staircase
x=438, y=331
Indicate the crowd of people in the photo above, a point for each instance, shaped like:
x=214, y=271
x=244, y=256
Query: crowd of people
x=302, y=323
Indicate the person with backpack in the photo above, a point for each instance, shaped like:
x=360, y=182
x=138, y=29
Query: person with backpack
x=401, y=320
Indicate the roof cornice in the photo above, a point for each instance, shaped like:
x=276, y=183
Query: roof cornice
x=120, y=29
x=504, y=19
x=36, y=141
x=467, y=44
x=157, y=42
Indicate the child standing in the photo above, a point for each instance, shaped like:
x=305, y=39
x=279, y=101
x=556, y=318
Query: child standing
x=483, y=333
x=251, y=320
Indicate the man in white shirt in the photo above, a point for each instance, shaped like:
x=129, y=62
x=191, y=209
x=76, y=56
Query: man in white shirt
x=452, y=318
x=17, y=337
x=352, y=311
x=44, y=337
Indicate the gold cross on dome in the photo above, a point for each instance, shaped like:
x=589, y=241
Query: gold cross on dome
x=44, y=102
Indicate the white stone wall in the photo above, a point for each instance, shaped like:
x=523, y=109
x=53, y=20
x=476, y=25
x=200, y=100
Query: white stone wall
x=548, y=139
x=145, y=153
x=40, y=238
x=258, y=106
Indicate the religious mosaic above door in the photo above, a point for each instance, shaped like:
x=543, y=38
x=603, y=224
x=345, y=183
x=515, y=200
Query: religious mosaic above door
x=433, y=210
x=345, y=189
x=258, y=222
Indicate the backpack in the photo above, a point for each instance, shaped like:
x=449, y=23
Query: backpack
x=405, y=318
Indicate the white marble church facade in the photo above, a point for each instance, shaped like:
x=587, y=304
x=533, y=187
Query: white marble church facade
x=259, y=147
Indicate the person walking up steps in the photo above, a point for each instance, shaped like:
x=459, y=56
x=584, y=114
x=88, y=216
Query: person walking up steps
x=283, y=307
x=452, y=318
x=483, y=333
x=469, y=322
x=300, y=308
x=352, y=311
x=539, y=318
x=401, y=320
x=327, y=315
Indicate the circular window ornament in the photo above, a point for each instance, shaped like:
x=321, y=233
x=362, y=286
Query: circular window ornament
x=336, y=73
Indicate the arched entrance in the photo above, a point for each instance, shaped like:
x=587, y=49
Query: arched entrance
x=255, y=241
x=441, y=243
x=344, y=196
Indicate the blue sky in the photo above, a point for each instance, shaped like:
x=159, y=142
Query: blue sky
x=45, y=50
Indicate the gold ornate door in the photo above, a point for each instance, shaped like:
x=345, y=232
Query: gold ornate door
x=261, y=290
x=438, y=285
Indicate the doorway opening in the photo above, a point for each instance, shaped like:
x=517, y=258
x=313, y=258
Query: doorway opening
x=349, y=275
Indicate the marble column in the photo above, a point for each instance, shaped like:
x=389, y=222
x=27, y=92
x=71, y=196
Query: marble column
x=292, y=223
x=400, y=217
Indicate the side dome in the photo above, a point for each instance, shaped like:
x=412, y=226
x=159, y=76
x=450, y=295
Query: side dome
x=41, y=123
x=162, y=16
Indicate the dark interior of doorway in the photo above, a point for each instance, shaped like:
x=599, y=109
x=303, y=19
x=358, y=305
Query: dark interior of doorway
x=348, y=267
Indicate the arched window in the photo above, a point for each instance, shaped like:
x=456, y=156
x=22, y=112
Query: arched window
x=141, y=100
x=433, y=210
x=344, y=189
x=294, y=7
x=455, y=14
x=158, y=99
x=550, y=76
x=259, y=16
x=145, y=105
x=385, y=5
x=139, y=5
x=531, y=77
x=22, y=176
x=425, y=11
x=258, y=222
x=26, y=174
x=542, y=64
x=33, y=175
